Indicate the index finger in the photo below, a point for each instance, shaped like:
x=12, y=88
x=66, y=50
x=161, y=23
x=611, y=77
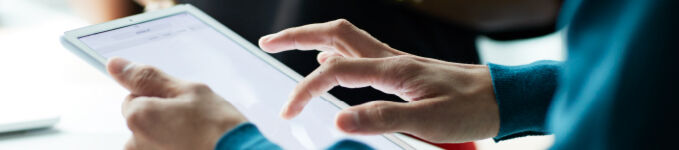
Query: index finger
x=308, y=37
x=339, y=36
x=346, y=72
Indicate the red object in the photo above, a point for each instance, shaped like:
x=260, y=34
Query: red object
x=449, y=146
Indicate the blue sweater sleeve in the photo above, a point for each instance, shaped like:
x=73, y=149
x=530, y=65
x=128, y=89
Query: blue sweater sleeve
x=523, y=94
x=247, y=136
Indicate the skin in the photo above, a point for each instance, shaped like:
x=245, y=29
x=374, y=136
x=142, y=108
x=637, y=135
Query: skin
x=167, y=113
x=448, y=102
x=481, y=15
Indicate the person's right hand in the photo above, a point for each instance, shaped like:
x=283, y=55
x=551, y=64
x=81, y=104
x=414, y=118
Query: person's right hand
x=448, y=102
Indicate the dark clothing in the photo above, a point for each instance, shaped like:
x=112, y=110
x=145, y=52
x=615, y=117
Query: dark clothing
x=617, y=88
x=389, y=21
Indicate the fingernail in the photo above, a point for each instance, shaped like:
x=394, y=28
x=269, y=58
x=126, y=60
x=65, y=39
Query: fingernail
x=349, y=122
x=263, y=41
x=129, y=66
x=266, y=37
x=284, y=112
x=291, y=111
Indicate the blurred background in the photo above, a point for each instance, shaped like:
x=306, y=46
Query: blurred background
x=38, y=73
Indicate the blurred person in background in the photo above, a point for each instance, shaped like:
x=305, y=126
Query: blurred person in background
x=439, y=29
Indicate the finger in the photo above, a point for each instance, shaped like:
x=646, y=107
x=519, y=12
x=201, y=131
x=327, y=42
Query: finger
x=125, y=107
x=131, y=144
x=347, y=72
x=134, y=104
x=141, y=113
x=339, y=36
x=377, y=117
x=136, y=143
x=322, y=56
x=142, y=80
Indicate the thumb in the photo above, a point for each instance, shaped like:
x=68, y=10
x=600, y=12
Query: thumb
x=323, y=56
x=136, y=143
x=376, y=117
x=142, y=80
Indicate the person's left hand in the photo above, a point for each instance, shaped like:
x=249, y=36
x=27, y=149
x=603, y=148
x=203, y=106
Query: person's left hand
x=167, y=113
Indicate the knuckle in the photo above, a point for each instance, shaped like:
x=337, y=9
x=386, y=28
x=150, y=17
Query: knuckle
x=341, y=23
x=406, y=59
x=143, y=76
x=404, y=72
x=340, y=27
x=333, y=62
x=406, y=63
x=139, y=116
x=401, y=65
x=199, y=87
x=134, y=120
x=381, y=114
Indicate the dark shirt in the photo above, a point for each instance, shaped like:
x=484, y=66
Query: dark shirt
x=616, y=90
x=391, y=22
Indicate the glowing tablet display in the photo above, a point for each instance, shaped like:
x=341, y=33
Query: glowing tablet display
x=187, y=48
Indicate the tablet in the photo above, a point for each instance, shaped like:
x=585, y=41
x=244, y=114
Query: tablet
x=188, y=44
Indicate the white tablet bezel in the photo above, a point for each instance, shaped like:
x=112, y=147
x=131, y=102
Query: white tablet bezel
x=71, y=42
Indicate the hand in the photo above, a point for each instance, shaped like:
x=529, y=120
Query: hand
x=166, y=113
x=448, y=102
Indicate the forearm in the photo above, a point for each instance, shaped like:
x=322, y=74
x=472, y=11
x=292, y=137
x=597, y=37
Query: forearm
x=523, y=94
x=492, y=15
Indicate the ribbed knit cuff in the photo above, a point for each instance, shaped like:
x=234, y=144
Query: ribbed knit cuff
x=523, y=94
x=244, y=136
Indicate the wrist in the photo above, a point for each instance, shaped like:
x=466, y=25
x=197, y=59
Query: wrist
x=489, y=102
x=479, y=89
x=223, y=131
x=243, y=136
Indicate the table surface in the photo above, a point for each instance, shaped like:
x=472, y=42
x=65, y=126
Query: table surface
x=39, y=75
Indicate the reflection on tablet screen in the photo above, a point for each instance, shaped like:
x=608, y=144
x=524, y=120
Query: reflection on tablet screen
x=187, y=48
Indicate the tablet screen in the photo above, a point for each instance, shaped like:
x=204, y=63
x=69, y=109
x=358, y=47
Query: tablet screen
x=187, y=48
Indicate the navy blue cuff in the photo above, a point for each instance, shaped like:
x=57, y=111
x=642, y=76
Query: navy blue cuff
x=523, y=94
x=349, y=145
x=244, y=136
